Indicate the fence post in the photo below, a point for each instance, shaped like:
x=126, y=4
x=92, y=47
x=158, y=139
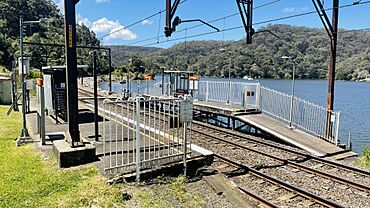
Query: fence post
x=185, y=148
x=138, y=139
x=42, y=114
x=258, y=97
x=337, y=129
x=207, y=90
x=291, y=111
x=229, y=98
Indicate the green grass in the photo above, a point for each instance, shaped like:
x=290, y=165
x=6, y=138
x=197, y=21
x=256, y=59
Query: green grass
x=365, y=158
x=29, y=180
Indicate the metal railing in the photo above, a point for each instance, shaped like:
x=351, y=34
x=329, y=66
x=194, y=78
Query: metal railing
x=305, y=115
x=140, y=134
x=228, y=92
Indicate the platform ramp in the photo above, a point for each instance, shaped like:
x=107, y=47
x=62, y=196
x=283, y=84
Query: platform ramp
x=293, y=136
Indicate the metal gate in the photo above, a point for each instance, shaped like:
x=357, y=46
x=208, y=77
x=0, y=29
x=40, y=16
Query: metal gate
x=142, y=134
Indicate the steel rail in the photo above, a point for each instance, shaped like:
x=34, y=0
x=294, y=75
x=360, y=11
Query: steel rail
x=288, y=162
x=318, y=159
x=312, y=157
x=295, y=189
x=293, y=164
x=258, y=198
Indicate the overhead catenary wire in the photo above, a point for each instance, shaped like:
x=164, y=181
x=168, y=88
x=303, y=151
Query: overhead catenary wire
x=259, y=23
x=137, y=22
x=212, y=21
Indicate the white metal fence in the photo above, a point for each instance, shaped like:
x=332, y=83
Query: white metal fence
x=140, y=134
x=304, y=115
x=238, y=93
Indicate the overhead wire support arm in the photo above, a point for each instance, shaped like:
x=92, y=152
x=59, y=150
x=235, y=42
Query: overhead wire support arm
x=198, y=20
x=170, y=13
x=245, y=9
x=171, y=25
x=268, y=31
x=323, y=17
x=332, y=30
x=246, y=15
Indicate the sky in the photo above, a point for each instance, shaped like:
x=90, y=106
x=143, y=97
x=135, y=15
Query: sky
x=106, y=16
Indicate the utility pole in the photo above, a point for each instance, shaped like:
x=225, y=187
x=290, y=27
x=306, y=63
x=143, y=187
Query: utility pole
x=24, y=136
x=333, y=58
x=332, y=30
x=110, y=70
x=96, y=111
x=73, y=138
x=128, y=77
x=14, y=84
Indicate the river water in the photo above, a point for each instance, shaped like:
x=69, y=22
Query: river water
x=352, y=99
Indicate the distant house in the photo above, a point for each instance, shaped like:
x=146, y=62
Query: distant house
x=368, y=78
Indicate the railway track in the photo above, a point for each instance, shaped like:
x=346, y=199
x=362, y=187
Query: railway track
x=279, y=160
x=292, y=170
x=290, y=154
x=279, y=193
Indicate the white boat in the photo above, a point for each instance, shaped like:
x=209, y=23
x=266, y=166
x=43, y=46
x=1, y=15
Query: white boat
x=248, y=78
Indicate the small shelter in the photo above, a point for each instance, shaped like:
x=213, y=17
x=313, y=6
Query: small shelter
x=180, y=82
x=54, y=78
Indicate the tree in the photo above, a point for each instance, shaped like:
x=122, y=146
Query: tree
x=12, y=10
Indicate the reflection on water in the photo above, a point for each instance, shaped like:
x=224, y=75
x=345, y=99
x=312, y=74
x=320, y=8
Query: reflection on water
x=352, y=99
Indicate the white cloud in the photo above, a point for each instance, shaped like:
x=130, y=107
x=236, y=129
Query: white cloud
x=147, y=22
x=121, y=33
x=102, y=1
x=295, y=9
x=104, y=25
x=118, y=31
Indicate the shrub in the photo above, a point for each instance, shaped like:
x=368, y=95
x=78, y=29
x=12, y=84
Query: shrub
x=365, y=158
x=35, y=74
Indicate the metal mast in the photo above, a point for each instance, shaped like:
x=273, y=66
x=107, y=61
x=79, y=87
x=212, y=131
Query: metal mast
x=332, y=30
x=71, y=72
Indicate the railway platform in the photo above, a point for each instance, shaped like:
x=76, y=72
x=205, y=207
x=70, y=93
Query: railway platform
x=295, y=136
x=120, y=147
x=230, y=114
x=214, y=107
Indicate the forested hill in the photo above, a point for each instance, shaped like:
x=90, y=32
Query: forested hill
x=309, y=47
x=122, y=54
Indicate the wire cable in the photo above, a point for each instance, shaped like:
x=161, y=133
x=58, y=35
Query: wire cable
x=259, y=23
x=212, y=21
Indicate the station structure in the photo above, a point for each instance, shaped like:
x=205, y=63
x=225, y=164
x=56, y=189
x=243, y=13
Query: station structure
x=140, y=132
